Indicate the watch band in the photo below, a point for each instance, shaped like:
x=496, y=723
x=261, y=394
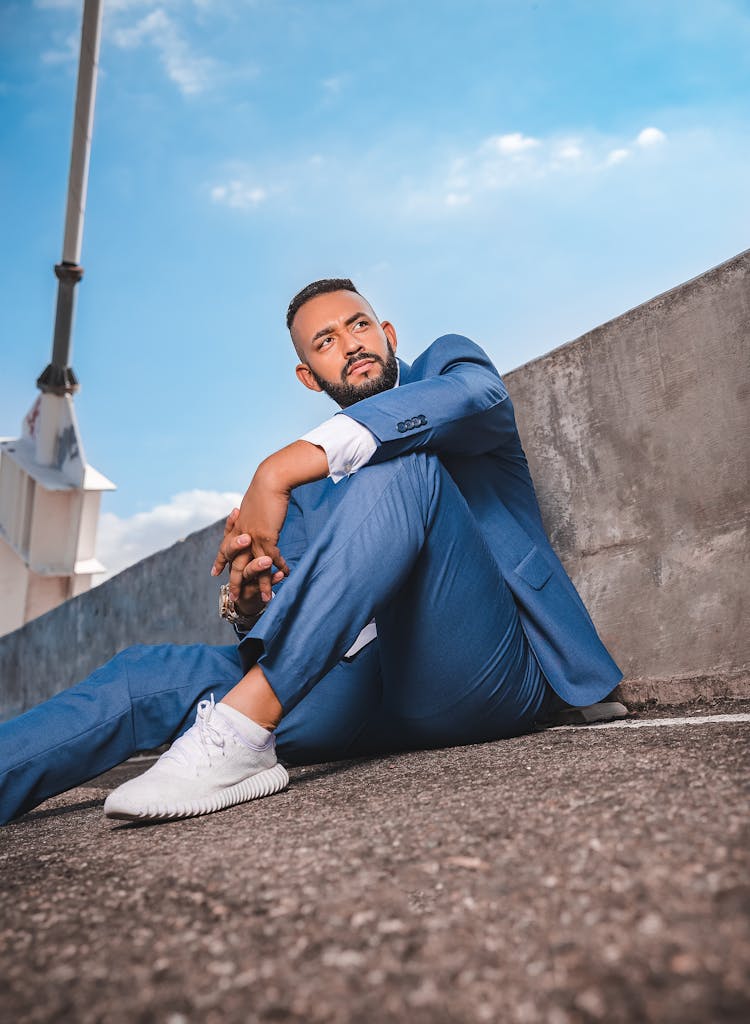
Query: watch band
x=228, y=611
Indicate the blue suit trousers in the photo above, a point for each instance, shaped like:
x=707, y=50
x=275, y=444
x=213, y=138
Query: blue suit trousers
x=451, y=663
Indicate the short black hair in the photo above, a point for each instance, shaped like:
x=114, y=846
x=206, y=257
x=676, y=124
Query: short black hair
x=322, y=287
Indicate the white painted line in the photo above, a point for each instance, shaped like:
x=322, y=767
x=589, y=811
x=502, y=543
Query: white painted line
x=651, y=723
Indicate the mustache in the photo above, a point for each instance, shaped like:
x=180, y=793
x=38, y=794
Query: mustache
x=358, y=359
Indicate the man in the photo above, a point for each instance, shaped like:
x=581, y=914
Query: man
x=417, y=600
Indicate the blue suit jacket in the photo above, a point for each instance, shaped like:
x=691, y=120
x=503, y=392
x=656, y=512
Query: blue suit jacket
x=451, y=401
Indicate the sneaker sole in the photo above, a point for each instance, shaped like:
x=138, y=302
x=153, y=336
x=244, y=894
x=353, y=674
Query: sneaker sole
x=604, y=711
x=265, y=783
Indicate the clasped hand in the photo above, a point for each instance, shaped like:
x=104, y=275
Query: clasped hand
x=251, y=544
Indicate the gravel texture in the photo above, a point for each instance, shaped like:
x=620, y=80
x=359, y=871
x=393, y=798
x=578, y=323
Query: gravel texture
x=563, y=877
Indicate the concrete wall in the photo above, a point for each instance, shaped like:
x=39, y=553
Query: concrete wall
x=167, y=598
x=637, y=435
x=637, y=438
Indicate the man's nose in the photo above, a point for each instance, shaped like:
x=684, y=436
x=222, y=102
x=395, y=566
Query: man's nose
x=352, y=344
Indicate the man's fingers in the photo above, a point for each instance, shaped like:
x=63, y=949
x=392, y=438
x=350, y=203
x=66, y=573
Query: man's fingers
x=235, y=583
x=279, y=560
x=269, y=550
x=256, y=566
x=265, y=580
x=236, y=574
x=261, y=565
x=231, y=520
x=250, y=583
x=264, y=586
x=221, y=559
x=228, y=551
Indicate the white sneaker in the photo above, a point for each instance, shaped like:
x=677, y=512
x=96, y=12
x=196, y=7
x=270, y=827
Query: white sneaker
x=208, y=768
x=566, y=714
x=604, y=711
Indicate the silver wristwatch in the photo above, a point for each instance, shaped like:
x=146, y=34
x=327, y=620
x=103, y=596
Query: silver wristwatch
x=228, y=611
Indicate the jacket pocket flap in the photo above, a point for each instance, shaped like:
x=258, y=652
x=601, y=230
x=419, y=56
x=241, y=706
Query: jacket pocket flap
x=534, y=569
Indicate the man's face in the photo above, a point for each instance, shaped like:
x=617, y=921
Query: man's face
x=345, y=351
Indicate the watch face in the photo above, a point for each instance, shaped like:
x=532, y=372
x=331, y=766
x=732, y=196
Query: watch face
x=226, y=604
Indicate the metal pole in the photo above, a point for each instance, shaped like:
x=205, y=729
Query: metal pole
x=58, y=378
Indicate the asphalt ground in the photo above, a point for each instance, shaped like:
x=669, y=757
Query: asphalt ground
x=575, y=875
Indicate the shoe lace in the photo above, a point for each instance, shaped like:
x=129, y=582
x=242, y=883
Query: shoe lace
x=202, y=738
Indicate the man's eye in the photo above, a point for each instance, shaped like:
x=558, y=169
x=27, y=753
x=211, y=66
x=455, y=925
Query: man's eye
x=324, y=342
x=362, y=323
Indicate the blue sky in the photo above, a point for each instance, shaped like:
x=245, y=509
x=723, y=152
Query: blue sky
x=515, y=171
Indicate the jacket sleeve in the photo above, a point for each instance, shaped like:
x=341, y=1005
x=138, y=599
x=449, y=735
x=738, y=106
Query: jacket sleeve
x=457, y=405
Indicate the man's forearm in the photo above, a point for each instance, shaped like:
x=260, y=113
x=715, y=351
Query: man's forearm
x=299, y=463
x=254, y=537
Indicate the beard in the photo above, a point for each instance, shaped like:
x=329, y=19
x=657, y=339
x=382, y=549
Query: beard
x=345, y=393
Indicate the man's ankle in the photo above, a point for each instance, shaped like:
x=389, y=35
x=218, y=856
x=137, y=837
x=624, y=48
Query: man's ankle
x=254, y=698
x=255, y=733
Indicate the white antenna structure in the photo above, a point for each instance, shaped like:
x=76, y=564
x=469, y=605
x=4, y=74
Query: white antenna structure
x=49, y=494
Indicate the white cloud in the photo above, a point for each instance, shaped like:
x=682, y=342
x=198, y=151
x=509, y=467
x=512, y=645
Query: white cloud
x=123, y=541
x=150, y=25
x=109, y=5
x=57, y=5
x=112, y=6
x=333, y=85
x=511, y=144
x=514, y=159
x=650, y=137
x=569, y=151
x=616, y=156
x=239, y=195
x=453, y=183
x=190, y=73
x=67, y=53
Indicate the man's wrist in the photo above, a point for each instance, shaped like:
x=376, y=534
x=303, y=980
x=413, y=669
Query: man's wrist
x=240, y=614
x=250, y=609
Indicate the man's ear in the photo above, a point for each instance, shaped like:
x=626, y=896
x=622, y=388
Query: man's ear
x=305, y=376
x=390, y=333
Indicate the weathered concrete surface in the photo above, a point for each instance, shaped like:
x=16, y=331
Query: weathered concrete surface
x=637, y=438
x=563, y=878
x=167, y=598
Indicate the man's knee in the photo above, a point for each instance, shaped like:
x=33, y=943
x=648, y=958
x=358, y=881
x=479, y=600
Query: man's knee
x=418, y=473
x=125, y=660
x=131, y=664
x=130, y=654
